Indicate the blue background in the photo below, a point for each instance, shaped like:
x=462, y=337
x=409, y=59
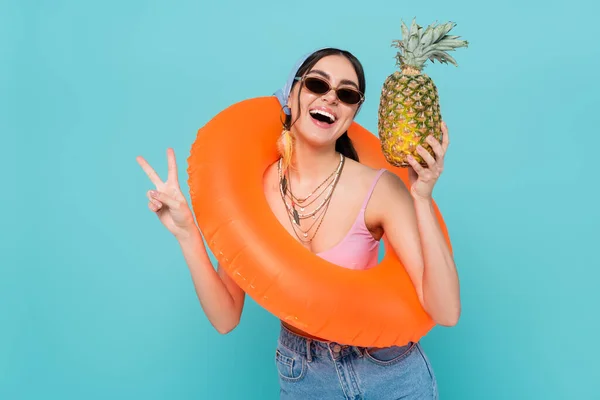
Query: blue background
x=96, y=301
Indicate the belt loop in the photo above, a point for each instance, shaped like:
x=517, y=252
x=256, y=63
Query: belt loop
x=357, y=350
x=308, y=352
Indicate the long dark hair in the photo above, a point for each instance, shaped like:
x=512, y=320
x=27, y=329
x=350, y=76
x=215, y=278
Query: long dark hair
x=343, y=144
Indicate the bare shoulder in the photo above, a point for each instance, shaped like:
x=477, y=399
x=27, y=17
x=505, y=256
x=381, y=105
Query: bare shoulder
x=359, y=173
x=389, y=184
x=389, y=195
x=392, y=185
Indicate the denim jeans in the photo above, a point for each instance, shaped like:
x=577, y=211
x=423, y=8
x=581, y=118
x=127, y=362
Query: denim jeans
x=310, y=369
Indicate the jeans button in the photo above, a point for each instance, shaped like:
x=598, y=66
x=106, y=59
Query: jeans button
x=337, y=348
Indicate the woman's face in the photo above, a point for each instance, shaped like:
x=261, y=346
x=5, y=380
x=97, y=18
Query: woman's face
x=323, y=117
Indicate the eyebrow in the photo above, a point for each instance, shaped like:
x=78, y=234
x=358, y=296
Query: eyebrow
x=343, y=81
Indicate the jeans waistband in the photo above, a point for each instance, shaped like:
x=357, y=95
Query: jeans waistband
x=309, y=348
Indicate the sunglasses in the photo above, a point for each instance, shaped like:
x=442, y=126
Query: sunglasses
x=321, y=86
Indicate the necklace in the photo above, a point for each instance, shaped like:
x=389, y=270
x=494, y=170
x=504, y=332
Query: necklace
x=318, y=213
x=286, y=188
x=300, y=201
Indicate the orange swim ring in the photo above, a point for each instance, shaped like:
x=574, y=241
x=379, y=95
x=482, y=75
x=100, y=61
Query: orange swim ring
x=374, y=307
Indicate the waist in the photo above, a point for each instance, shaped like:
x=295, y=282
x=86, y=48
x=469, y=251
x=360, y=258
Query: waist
x=310, y=346
x=301, y=333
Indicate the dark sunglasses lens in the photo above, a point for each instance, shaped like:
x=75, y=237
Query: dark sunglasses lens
x=348, y=96
x=316, y=85
x=320, y=86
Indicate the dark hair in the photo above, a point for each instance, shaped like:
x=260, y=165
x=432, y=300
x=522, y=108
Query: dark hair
x=343, y=144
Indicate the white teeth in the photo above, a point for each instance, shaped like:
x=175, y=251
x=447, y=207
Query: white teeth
x=330, y=116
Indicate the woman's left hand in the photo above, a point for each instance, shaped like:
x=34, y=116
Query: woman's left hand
x=422, y=179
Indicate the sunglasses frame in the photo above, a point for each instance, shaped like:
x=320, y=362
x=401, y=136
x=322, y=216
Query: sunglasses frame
x=302, y=79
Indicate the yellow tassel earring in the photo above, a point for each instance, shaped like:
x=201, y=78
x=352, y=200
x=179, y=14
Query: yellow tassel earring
x=285, y=146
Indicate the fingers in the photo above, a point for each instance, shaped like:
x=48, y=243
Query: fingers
x=435, y=165
x=439, y=153
x=165, y=199
x=415, y=165
x=172, y=166
x=436, y=146
x=154, y=178
x=153, y=207
x=445, y=138
x=426, y=156
x=153, y=204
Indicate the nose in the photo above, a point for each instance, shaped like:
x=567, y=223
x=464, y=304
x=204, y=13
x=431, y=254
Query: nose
x=330, y=96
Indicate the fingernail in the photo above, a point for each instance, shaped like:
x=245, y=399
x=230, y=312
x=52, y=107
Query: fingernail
x=152, y=193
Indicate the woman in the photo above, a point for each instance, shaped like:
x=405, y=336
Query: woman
x=339, y=209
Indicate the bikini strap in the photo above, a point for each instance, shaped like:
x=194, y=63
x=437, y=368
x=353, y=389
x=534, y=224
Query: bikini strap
x=370, y=192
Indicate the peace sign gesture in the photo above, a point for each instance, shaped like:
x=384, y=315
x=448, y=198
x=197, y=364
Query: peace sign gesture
x=167, y=201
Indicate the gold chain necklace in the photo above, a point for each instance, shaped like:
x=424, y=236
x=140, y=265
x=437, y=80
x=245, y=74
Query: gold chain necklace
x=318, y=195
x=293, y=214
x=290, y=207
x=285, y=188
x=300, y=201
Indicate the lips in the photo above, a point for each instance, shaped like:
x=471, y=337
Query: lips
x=323, y=116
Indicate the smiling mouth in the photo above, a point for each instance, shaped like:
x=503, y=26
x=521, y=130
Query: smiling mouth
x=322, y=116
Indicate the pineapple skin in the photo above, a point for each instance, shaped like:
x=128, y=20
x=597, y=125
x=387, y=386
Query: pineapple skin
x=409, y=111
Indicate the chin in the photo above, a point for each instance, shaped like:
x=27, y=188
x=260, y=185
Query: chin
x=319, y=136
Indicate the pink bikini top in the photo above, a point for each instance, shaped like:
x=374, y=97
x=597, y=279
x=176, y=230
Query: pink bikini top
x=358, y=249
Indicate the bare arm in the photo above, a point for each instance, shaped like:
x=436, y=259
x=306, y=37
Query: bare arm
x=220, y=297
x=412, y=226
x=414, y=233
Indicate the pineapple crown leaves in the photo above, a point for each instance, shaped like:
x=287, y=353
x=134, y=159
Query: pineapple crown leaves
x=419, y=45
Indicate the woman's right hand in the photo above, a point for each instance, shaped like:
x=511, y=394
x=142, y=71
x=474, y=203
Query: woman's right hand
x=167, y=201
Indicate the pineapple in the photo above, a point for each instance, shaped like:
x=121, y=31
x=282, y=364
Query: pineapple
x=409, y=108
